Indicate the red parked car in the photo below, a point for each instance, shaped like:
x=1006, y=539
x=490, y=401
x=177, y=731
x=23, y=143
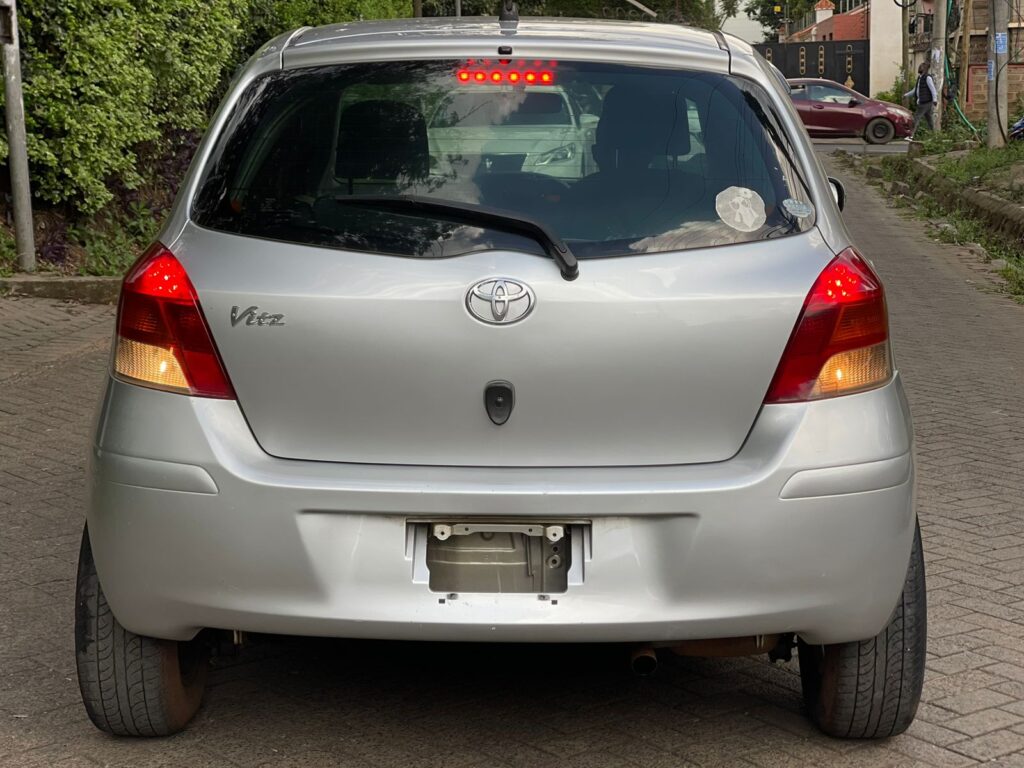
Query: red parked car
x=829, y=109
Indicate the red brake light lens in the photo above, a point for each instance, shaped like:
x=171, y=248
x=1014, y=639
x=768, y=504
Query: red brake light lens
x=840, y=344
x=163, y=340
x=474, y=71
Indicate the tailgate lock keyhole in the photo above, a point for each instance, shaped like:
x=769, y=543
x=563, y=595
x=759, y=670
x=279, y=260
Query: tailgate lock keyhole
x=499, y=398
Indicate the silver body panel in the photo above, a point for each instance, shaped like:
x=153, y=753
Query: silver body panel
x=294, y=509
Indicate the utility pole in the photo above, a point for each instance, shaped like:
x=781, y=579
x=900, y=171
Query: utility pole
x=17, y=153
x=998, y=55
x=458, y=7
x=417, y=8
x=938, y=53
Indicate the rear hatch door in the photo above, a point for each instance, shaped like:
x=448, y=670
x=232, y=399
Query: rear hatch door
x=645, y=359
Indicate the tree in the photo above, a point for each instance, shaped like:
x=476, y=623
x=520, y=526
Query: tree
x=764, y=13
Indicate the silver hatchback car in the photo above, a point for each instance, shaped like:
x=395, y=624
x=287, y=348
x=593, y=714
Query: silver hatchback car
x=375, y=384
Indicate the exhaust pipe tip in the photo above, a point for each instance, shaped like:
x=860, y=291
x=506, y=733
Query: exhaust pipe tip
x=643, y=661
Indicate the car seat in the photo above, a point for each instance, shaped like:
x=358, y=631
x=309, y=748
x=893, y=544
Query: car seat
x=638, y=188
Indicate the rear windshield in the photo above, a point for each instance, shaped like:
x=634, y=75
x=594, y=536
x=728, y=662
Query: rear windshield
x=616, y=160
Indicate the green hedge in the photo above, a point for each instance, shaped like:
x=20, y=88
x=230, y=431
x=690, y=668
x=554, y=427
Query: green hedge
x=106, y=77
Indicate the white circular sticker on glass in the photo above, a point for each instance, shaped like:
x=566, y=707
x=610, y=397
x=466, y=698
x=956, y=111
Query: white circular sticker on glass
x=797, y=208
x=741, y=208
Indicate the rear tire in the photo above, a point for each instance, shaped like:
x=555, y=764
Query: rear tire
x=131, y=685
x=879, y=131
x=870, y=689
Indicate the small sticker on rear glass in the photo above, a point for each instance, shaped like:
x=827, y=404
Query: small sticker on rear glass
x=740, y=208
x=797, y=208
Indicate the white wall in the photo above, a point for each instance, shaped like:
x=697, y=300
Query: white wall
x=886, y=44
x=744, y=28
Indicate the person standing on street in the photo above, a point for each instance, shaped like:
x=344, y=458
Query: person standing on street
x=926, y=98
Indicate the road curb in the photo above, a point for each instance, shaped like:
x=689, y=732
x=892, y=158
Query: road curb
x=88, y=290
x=1003, y=215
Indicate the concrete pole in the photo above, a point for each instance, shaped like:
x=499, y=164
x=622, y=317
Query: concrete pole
x=938, y=56
x=17, y=157
x=458, y=7
x=998, y=55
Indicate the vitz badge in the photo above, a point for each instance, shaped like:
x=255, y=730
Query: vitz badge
x=253, y=316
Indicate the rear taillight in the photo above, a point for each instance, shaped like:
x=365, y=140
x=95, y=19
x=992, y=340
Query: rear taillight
x=840, y=344
x=162, y=337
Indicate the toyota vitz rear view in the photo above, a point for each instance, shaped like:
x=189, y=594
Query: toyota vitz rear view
x=380, y=378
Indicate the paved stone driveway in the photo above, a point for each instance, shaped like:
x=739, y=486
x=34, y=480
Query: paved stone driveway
x=324, y=703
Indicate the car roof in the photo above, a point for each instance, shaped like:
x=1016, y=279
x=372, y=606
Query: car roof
x=640, y=42
x=622, y=32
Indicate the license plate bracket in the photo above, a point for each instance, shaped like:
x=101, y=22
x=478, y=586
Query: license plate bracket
x=504, y=557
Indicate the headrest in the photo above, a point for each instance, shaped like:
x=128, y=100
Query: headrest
x=382, y=139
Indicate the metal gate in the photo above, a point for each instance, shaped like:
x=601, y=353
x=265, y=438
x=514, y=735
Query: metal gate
x=845, y=61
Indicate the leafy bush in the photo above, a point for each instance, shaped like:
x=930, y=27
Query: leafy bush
x=895, y=94
x=271, y=17
x=8, y=252
x=105, y=76
x=111, y=241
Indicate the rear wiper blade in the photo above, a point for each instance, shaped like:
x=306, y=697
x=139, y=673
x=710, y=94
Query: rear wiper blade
x=467, y=213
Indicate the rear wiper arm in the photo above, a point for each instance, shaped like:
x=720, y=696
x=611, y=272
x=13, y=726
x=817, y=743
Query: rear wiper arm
x=466, y=213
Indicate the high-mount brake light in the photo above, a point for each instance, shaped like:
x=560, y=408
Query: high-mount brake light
x=840, y=344
x=163, y=340
x=513, y=72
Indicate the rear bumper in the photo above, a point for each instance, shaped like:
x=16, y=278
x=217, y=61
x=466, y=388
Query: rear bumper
x=808, y=529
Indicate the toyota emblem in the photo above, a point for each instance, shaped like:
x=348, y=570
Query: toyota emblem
x=500, y=300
